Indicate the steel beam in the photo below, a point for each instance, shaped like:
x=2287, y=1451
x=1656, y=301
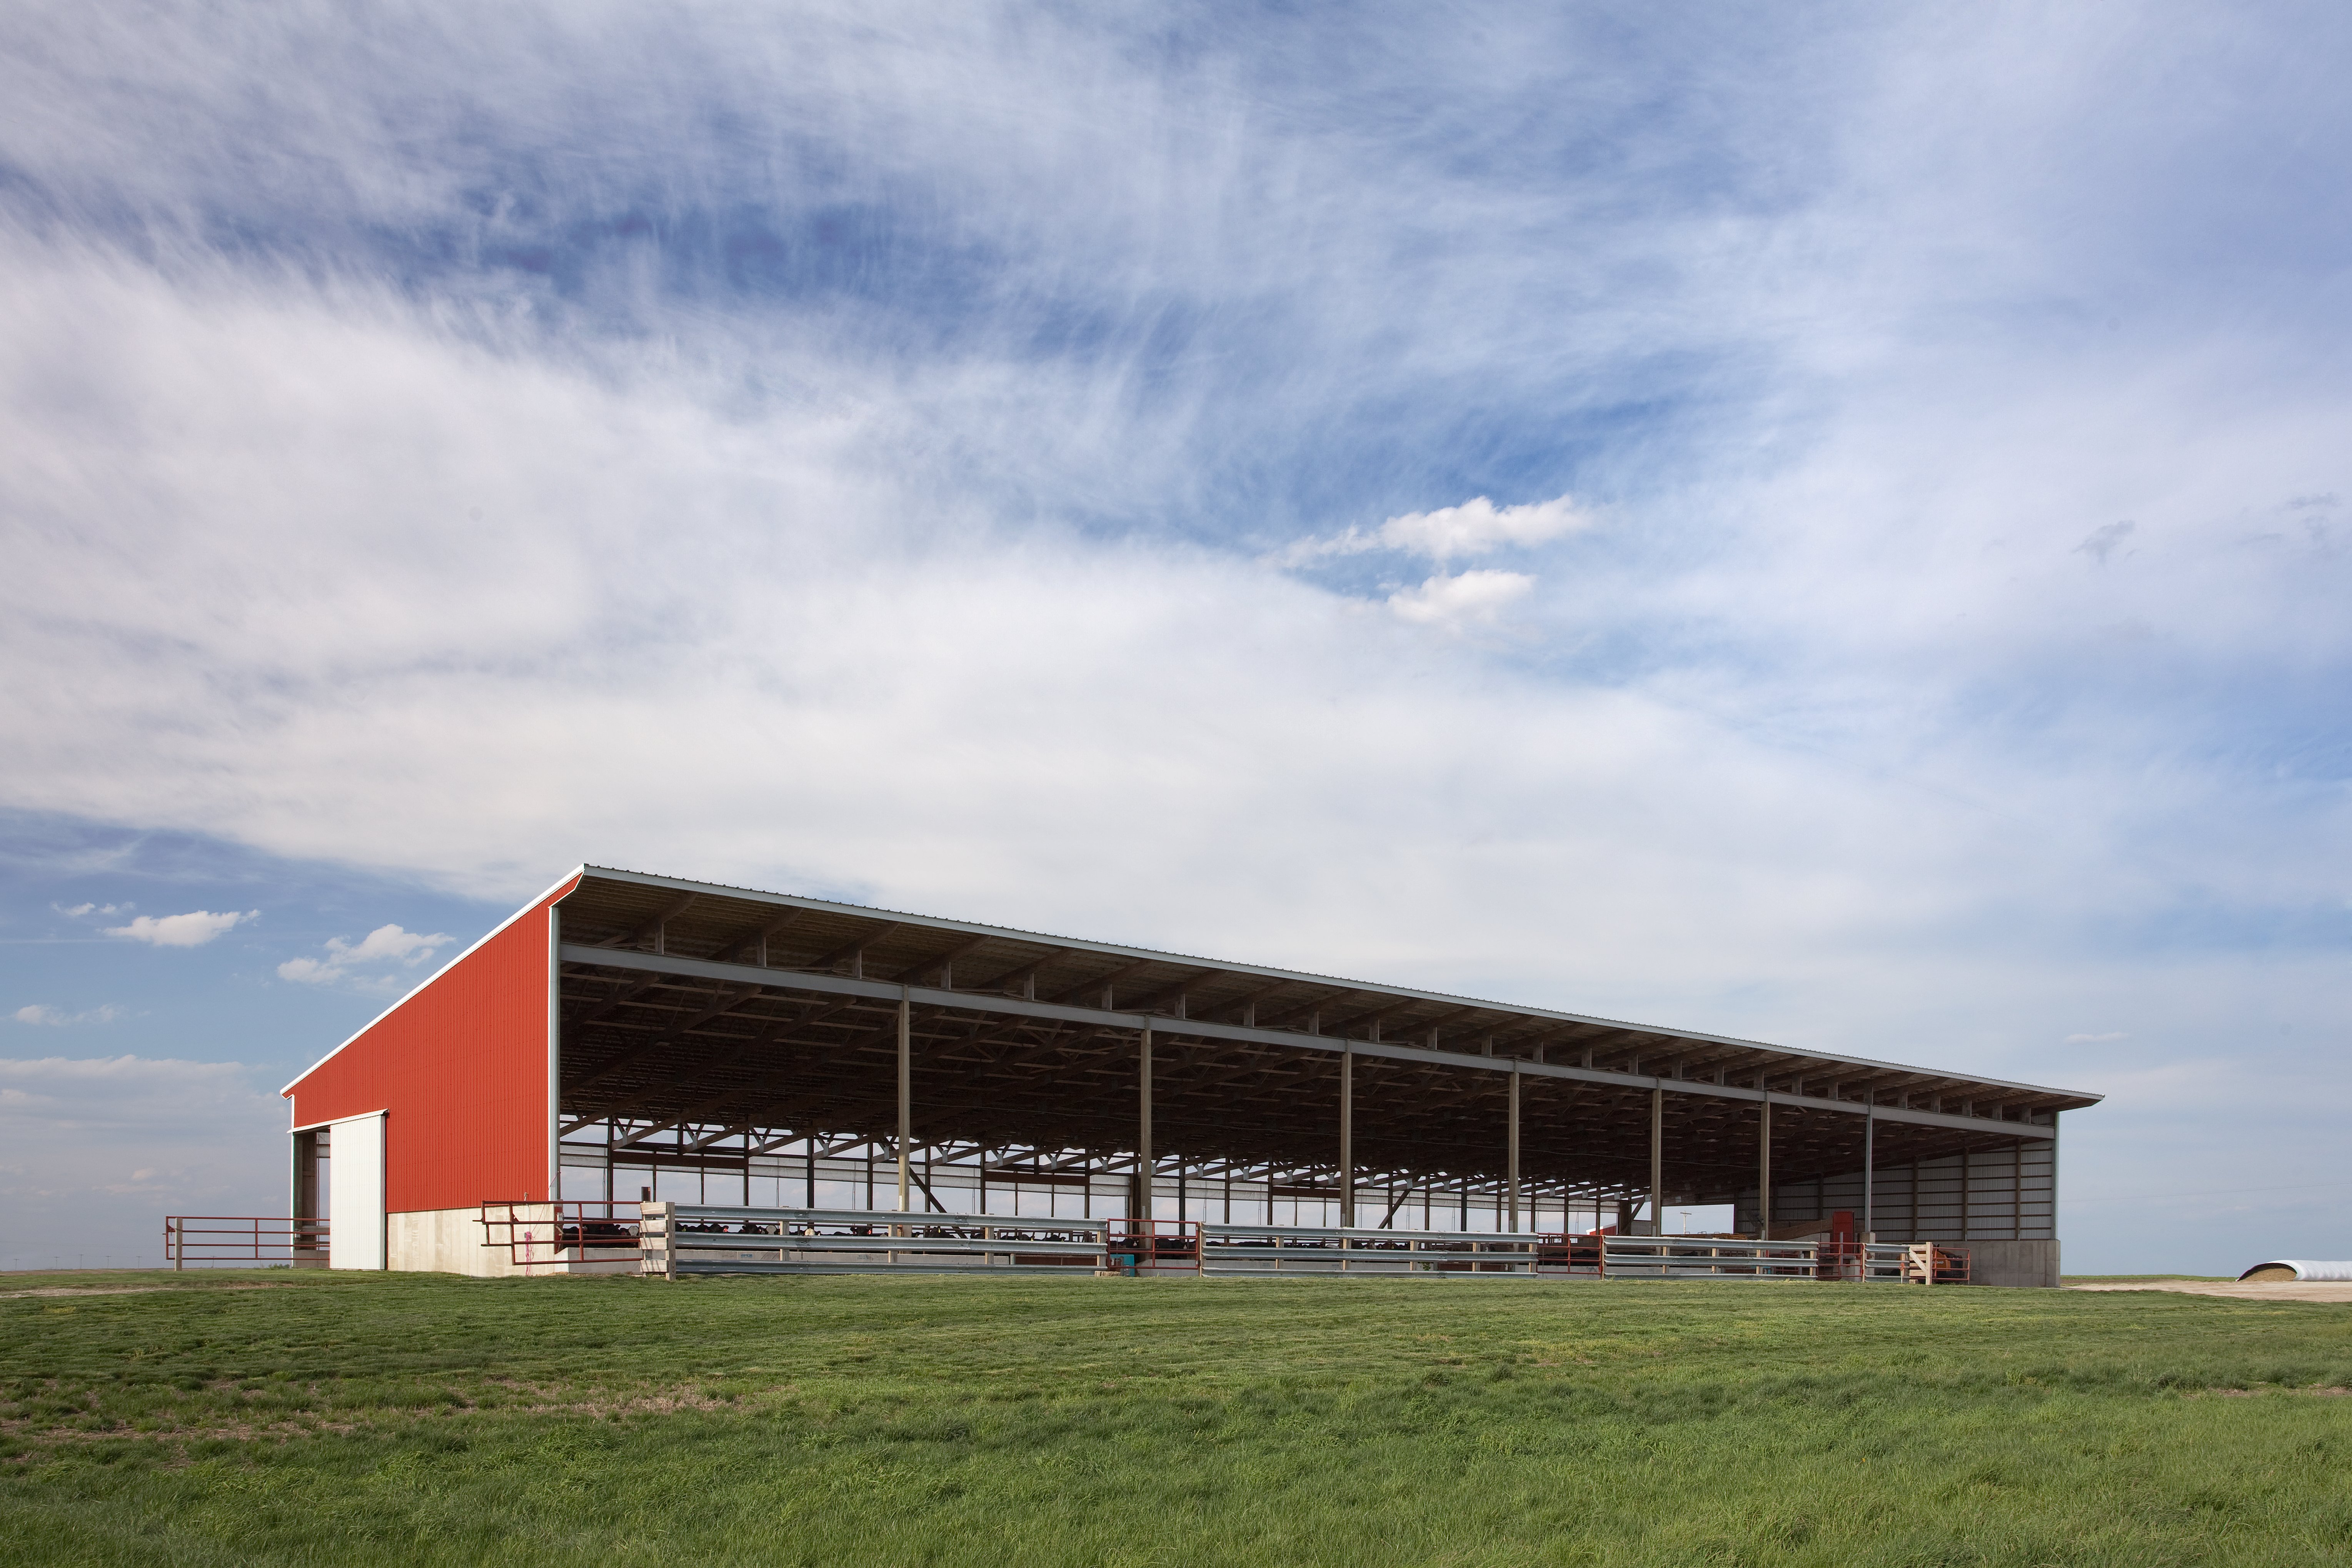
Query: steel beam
x=1508, y=1017
x=1016, y=1007
x=652, y=923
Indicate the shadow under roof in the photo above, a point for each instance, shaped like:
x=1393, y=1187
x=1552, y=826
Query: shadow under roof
x=696, y=1005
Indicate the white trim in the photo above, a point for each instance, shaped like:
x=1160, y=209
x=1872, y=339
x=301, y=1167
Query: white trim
x=554, y=1055
x=568, y=877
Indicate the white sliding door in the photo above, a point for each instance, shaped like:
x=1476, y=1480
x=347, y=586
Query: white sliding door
x=355, y=1193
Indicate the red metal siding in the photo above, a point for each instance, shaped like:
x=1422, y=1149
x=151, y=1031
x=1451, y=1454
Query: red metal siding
x=462, y=1068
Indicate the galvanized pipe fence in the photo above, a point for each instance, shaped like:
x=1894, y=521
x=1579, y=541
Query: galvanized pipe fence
x=680, y=1239
x=675, y=1239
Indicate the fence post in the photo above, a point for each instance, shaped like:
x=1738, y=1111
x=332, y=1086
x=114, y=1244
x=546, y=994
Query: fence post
x=657, y=1251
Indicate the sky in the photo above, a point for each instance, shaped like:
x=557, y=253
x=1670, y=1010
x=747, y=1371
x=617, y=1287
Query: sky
x=1830, y=524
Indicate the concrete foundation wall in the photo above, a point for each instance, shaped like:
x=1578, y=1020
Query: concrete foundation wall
x=449, y=1241
x=444, y=1241
x=2012, y=1262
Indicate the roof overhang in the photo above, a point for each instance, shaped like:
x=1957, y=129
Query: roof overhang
x=713, y=1016
x=617, y=912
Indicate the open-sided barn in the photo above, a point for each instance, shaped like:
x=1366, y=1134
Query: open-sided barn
x=627, y=1034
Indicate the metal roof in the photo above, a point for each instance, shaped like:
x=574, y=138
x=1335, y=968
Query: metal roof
x=706, y=920
x=705, y=1023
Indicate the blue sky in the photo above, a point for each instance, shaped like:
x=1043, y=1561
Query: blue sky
x=1826, y=524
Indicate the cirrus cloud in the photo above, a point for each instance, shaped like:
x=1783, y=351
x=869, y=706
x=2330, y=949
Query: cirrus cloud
x=861, y=481
x=42, y=1012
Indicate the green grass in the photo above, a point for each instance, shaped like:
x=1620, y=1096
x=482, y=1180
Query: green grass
x=345, y=1419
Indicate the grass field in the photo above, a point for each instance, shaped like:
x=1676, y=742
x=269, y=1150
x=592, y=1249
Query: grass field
x=406, y=1418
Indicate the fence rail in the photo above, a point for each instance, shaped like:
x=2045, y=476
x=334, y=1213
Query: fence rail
x=682, y=1238
x=244, y=1238
x=1236, y=1249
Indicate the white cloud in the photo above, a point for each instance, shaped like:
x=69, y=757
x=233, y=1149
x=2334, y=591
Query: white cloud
x=41, y=1013
x=78, y=911
x=1473, y=528
x=194, y=929
x=385, y=945
x=1465, y=597
x=2095, y=1039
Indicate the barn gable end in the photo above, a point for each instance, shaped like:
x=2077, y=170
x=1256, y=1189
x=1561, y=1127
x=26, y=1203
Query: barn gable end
x=460, y=1068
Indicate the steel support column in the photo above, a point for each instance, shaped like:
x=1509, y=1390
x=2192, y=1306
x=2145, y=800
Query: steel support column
x=1512, y=1177
x=1658, y=1159
x=1142, y=1203
x=1869, y=1159
x=1764, y=1170
x=1348, y=1138
x=906, y=1090
x=2053, y=1175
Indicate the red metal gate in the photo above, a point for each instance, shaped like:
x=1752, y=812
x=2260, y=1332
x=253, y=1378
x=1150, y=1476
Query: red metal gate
x=541, y=1235
x=244, y=1238
x=1154, y=1245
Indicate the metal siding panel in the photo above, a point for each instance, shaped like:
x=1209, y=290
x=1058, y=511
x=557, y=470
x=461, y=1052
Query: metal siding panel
x=460, y=1068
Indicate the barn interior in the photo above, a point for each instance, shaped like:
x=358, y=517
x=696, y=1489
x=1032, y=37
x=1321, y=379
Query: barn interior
x=740, y=1045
